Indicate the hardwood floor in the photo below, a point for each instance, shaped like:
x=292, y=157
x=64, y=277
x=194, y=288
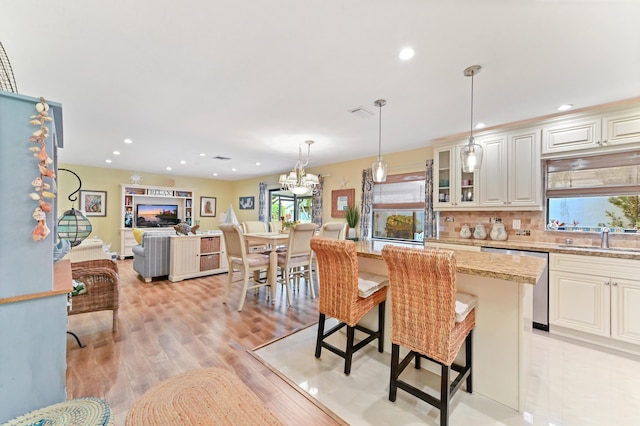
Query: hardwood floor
x=167, y=328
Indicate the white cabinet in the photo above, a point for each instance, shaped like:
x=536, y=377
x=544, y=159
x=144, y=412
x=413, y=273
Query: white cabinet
x=599, y=133
x=510, y=176
x=196, y=256
x=452, y=188
x=177, y=203
x=595, y=296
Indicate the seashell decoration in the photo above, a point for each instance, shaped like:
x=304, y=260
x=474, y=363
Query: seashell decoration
x=41, y=231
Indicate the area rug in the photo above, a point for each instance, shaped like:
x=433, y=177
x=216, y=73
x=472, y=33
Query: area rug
x=204, y=396
x=77, y=412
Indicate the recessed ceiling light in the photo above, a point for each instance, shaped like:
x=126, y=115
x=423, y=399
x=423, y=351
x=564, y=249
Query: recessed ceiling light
x=116, y=152
x=233, y=170
x=168, y=168
x=183, y=162
x=565, y=107
x=406, y=53
x=128, y=140
x=258, y=163
x=202, y=154
x=107, y=161
x=480, y=126
x=215, y=174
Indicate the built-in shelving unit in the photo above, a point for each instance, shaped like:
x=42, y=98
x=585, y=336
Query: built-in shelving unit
x=132, y=195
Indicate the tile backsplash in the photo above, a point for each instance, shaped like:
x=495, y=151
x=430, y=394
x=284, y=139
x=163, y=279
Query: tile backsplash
x=532, y=228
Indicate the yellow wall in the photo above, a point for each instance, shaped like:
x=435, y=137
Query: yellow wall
x=107, y=179
x=226, y=192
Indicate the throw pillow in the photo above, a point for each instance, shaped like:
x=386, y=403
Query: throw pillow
x=137, y=234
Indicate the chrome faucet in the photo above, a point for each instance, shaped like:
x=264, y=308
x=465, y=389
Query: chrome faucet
x=604, y=237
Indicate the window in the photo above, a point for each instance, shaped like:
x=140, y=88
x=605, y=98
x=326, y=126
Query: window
x=398, y=207
x=587, y=193
x=292, y=207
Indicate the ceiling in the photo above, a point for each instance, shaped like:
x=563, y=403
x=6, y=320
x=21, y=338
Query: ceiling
x=253, y=79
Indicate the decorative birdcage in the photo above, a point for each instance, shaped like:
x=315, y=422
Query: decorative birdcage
x=7, y=81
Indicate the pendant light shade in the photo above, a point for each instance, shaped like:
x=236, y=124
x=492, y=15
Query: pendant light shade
x=379, y=168
x=73, y=225
x=471, y=154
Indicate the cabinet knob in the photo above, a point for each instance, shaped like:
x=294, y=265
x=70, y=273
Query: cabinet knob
x=606, y=283
x=599, y=143
x=615, y=283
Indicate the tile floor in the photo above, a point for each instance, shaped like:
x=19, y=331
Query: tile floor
x=571, y=384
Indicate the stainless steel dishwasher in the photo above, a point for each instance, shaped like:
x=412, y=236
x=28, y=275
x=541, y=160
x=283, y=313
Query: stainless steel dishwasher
x=540, y=290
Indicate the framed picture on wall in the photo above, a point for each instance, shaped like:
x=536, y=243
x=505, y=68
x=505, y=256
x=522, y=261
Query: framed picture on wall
x=247, y=203
x=93, y=203
x=340, y=200
x=207, y=206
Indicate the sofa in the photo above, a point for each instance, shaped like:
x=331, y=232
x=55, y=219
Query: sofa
x=89, y=249
x=151, y=258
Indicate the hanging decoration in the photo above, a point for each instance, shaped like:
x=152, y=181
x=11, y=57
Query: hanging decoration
x=41, y=188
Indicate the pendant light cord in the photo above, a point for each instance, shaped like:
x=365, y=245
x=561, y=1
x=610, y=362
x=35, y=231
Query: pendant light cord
x=380, y=133
x=471, y=136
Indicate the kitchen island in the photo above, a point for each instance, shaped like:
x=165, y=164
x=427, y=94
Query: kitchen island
x=501, y=340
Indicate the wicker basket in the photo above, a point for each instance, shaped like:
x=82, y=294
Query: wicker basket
x=209, y=244
x=210, y=261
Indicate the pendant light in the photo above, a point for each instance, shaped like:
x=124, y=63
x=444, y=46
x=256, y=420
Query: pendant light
x=379, y=168
x=471, y=155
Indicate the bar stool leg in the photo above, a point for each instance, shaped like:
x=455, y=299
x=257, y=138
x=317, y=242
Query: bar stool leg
x=381, y=308
x=320, y=335
x=445, y=394
x=467, y=350
x=393, y=382
x=349, y=351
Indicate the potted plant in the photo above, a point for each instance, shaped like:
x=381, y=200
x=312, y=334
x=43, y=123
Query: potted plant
x=352, y=215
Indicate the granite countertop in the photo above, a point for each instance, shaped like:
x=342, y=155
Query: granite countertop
x=519, y=269
x=615, y=252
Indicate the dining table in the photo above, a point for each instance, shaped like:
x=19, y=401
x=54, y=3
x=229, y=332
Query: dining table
x=272, y=240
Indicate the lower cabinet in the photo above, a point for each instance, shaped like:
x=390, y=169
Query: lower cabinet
x=196, y=256
x=595, y=296
x=127, y=241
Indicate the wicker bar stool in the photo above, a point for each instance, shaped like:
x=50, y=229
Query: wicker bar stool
x=430, y=319
x=341, y=297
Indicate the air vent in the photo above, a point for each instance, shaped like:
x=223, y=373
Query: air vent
x=361, y=112
x=219, y=157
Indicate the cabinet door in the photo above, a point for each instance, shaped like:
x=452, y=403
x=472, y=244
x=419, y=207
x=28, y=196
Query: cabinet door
x=571, y=136
x=524, y=177
x=625, y=310
x=621, y=128
x=580, y=302
x=443, y=165
x=493, y=172
x=185, y=255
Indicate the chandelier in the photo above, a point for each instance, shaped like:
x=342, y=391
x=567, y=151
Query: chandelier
x=298, y=181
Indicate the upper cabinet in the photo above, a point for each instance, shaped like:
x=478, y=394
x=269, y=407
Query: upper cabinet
x=510, y=176
x=452, y=188
x=591, y=134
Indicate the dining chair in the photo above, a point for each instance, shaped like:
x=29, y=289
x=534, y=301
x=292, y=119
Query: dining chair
x=239, y=259
x=346, y=295
x=295, y=262
x=431, y=319
x=275, y=226
x=254, y=226
x=334, y=230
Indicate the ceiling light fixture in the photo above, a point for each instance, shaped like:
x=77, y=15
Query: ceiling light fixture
x=128, y=140
x=406, y=53
x=565, y=107
x=298, y=181
x=116, y=152
x=108, y=161
x=480, y=126
x=379, y=168
x=471, y=155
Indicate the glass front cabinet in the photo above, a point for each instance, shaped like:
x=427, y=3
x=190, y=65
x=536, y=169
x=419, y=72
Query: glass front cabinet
x=452, y=188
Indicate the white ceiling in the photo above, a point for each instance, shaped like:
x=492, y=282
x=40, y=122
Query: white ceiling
x=253, y=79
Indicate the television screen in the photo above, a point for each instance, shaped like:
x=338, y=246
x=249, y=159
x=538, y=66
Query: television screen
x=156, y=215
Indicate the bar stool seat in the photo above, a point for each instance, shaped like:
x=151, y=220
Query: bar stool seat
x=338, y=287
x=430, y=319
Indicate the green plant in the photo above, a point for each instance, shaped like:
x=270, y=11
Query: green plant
x=352, y=215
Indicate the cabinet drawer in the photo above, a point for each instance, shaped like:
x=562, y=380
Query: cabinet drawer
x=594, y=265
x=209, y=244
x=209, y=262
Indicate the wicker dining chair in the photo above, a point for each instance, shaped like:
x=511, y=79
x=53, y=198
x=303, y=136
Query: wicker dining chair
x=339, y=298
x=102, y=282
x=429, y=318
